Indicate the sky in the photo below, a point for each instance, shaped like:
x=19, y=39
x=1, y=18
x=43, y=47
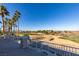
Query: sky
x=46, y=16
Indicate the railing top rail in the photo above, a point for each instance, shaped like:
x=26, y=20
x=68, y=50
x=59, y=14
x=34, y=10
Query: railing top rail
x=61, y=45
x=64, y=45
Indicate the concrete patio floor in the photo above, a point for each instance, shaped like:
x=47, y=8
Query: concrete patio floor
x=10, y=47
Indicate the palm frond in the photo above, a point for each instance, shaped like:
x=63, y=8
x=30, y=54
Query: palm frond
x=3, y=9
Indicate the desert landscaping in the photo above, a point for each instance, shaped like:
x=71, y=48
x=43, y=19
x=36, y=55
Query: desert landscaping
x=58, y=39
x=55, y=39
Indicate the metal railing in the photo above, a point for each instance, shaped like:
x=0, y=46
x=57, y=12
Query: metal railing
x=58, y=49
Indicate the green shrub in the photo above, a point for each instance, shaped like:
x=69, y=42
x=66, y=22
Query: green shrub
x=25, y=34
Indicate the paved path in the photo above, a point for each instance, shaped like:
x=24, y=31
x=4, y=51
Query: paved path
x=19, y=52
x=9, y=47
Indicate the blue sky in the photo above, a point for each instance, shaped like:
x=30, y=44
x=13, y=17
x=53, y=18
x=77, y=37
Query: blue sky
x=49, y=16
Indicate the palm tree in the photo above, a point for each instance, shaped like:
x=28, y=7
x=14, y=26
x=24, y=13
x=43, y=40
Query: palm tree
x=9, y=24
x=6, y=24
x=3, y=12
x=15, y=18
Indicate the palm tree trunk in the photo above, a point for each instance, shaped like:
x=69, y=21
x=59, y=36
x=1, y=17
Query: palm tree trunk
x=10, y=29
x=3, y=24
x=18, y=28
